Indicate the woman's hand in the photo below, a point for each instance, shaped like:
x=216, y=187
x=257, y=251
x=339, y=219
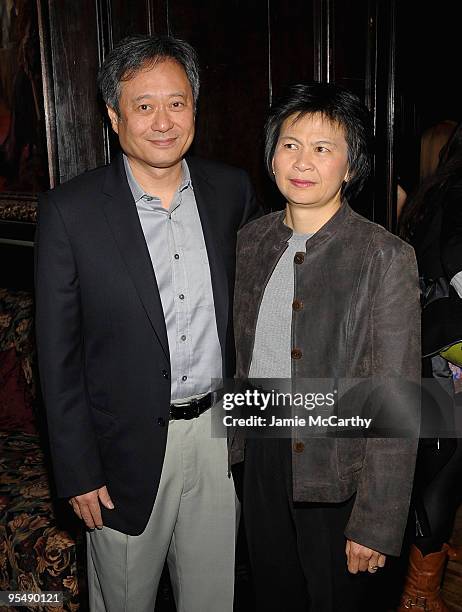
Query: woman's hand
x=361, y=558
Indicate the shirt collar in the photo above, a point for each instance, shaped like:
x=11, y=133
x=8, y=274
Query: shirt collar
x=137, y=190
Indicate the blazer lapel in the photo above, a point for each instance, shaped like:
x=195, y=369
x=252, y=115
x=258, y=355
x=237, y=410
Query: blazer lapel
x=122, y=217
x=207, y=204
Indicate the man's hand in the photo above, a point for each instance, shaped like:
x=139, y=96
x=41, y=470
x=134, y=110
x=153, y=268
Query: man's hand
x=87, y=508
x=361, y=558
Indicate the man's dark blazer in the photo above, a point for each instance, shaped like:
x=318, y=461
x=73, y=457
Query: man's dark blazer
x=101, y=337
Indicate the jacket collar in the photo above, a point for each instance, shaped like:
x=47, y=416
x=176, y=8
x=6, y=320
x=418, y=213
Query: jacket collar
x=281, y=232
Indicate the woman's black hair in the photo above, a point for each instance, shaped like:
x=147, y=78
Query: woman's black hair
x=336, y=104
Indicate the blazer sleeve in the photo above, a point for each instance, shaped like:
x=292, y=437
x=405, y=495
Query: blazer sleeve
x=381, y=507
x=252, y=209
x=60, y=348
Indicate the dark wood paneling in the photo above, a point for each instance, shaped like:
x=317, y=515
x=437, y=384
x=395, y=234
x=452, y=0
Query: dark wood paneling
x=129, y=18
x=322, y=47
x=158, y=16
x=231, y=39
x=234, y=71
x=74, y=56
x=349, y=36
x=292, y=58
x=384, y=20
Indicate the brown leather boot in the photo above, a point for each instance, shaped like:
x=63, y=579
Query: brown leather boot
x=455, y=553
x=422, y=587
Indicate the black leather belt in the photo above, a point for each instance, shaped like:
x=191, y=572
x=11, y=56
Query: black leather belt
x=192, y=409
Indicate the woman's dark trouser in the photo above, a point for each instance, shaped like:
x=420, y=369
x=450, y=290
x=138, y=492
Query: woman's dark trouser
x=438, y=473
x=297, y=551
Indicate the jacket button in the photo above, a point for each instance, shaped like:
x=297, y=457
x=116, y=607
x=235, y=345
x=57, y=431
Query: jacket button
x=299, y=258
x=161, y=422
x=297, y=305
x=299, y=447
x=296, y=353
x=165, y=374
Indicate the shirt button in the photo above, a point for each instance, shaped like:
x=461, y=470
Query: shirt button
x=165, y=374
x=161, y=422
x=299, y=258
x=297, y=305
x=176, y=256
x=183, y=337
x=296, y=353
x=184, y=378
x=299, y=447
x=181, y=296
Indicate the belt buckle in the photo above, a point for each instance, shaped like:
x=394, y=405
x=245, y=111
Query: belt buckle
x=195, y=408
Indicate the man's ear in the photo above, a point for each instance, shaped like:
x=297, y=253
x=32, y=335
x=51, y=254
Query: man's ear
x=114, y=118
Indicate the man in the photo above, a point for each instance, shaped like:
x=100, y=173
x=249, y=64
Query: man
x=324, y=294
x=134, y=277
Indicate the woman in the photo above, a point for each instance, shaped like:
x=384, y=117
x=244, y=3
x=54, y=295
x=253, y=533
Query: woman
x=432, y=222
x=323, y=293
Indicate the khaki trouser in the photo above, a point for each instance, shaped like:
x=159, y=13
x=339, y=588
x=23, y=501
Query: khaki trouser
x=192, y=525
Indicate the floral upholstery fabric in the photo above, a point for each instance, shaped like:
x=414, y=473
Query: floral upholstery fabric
x=38, y=550
x=17, y=361
x=41, y=545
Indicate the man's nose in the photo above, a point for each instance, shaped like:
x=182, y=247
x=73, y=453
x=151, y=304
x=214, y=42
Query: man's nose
x=161, y=120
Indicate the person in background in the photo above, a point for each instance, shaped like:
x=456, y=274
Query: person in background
x=134, y=282
x=432, y=222
x=323, y=293
x=432, y=141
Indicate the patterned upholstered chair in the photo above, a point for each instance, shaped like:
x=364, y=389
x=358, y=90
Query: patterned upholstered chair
x=39, y=541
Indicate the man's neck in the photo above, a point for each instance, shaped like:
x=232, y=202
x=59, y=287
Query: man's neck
x=160, y=182
x=305, y=220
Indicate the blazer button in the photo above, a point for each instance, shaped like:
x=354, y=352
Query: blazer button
x=297, y=305
x=165, y=374
x=161, y=422
x=299, y=258
x=296, y=353
x=299, y=447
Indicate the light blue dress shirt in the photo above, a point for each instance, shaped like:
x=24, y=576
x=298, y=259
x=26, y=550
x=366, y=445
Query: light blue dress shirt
x=179, y=257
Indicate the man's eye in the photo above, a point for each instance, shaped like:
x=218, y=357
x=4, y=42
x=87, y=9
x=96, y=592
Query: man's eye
x=290, y=145
x=143, y=107
x=322, y=149
x=177, y=104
